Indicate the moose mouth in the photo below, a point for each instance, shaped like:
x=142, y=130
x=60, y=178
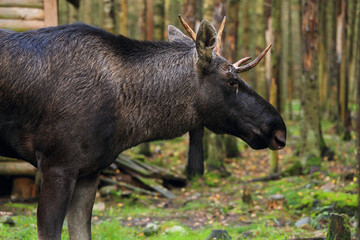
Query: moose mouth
x=278, y=141
x=259, y=140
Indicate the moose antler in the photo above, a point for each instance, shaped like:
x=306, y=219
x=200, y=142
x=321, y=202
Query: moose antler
x=217, y=49
x=191, y=32
x=252, y=64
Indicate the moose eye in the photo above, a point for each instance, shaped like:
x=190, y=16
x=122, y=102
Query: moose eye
x=234, y=84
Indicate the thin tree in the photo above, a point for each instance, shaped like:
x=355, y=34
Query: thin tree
x=312, y=142
x=358, y=126
x=144, y=148
x=189, y=12
x=229, y=50
x=342, y=67
x=272, y=63
x=295, y=49
x=216, y=151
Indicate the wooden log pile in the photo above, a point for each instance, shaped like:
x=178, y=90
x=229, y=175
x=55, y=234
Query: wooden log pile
x=144, y=178
x=127, y=174
x=23, y=15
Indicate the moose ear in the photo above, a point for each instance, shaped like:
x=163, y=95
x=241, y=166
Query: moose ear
x=206, y=41
x=175, y=35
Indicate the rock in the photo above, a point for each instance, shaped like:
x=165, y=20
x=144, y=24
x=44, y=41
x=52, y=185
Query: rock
x=328, y=187
x=302, y=222
x=193, y=197
x=100, y=206
x=307, y=227
x=219, y=234
x=151, y=229
x=176, y=229
x=107, y=190
x=247, y=235
x=7, y=220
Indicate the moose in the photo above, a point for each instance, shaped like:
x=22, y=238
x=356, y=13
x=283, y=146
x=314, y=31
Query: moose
x=75, y=96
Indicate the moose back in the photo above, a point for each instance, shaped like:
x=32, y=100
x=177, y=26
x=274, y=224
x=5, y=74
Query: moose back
x=73, y=97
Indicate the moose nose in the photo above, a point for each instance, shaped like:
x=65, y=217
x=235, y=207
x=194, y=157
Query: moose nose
x=278, y=141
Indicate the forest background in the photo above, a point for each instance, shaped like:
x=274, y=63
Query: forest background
x=311, y=74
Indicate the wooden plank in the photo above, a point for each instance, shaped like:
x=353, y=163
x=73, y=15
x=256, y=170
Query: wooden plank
x=51, y=13
x=21, y=13
x=21, y=25
x=12, y=168
x=22, y=3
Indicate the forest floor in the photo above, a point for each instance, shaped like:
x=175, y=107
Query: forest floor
x=212, y=202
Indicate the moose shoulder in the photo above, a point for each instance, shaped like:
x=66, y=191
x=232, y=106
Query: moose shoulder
x=74, y=96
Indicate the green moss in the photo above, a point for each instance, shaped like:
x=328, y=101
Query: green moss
x=313, y=161
x=351, y=187
x=212, y=179
x=294, y=170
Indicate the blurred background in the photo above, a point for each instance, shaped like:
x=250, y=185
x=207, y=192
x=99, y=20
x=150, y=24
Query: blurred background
x=311, y=75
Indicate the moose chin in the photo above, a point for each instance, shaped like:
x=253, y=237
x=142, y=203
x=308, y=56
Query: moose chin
x=74, y=96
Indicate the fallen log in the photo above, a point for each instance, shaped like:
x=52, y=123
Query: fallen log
x=155, y=186
x=16, y=167
x=133, y=166
x=128, y=186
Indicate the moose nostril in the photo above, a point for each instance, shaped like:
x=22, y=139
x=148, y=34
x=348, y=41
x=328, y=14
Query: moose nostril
x=279, y=139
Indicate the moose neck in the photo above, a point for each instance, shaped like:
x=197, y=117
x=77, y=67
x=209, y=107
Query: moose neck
x=158, y=99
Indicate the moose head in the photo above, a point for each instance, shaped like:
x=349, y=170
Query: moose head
x=237, y=109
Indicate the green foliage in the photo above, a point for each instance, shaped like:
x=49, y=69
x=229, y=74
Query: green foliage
x=212, y=179
x=25, y=228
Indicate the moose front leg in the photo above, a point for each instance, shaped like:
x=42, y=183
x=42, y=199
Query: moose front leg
x=195, y=164
x=79, y=212
x=55, y=195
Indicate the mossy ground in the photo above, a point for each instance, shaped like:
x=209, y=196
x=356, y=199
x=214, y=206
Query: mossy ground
x=212, y=202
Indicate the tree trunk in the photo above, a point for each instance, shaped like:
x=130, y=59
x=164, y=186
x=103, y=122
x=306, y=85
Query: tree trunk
x=295, y=50
x=312, y=143
x=358, y=126
x=85, y=11
x=272, y=63
x=189, y=12
x=208, y=6
x=343, y=67
x=268, y=40
x=276, y=61
x=150, y=20
x=354, y=16
x=97, y=13
x=322, y=62
x=284, y=54
x=229, y=49
x=274, y=158
x=159, y=13
x=216, y=152
x=108, y=20
x=261, y=84
x=143, y=23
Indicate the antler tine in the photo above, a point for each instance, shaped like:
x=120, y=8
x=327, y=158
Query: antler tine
x=218, y=37
x=187, y=28
x=252, y=64
x=241, y=61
